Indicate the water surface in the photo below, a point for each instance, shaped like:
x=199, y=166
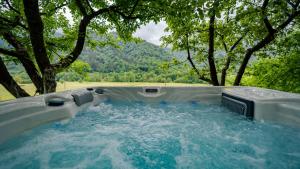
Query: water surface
x=138, y=135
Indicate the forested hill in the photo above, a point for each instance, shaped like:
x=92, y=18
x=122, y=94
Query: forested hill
x=131, y=56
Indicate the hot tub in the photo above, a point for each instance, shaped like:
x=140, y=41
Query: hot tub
x=152, y=127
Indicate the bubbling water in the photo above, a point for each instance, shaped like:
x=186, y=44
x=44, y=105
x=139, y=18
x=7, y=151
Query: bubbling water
x=139, y=135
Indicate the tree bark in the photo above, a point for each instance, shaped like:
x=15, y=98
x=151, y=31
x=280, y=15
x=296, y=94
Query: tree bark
x=224, y=70
x=49, y=80
x=211, y=60
x=9, y=83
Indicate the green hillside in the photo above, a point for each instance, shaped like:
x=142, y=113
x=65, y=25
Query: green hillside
x=134, y=62
x=143, y=56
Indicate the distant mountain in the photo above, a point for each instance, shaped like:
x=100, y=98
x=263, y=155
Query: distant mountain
x=130, y=56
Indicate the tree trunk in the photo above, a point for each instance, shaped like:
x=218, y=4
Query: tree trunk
x=36, y=28
x=9, y=83
x=243, y=66
x=228, y=59
x=49, y=80
x=269, y=38
x=224, y=70
x=211, y=61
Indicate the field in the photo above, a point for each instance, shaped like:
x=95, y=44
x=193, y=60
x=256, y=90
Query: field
x=5, y=95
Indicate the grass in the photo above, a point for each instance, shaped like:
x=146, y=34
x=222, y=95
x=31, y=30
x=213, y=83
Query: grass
x=5, y=95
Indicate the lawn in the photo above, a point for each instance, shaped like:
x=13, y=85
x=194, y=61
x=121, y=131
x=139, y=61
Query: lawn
x=5, y=95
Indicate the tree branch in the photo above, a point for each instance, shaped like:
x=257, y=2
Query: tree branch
x=81, y=7
x=189, y=58
x=265, y=17
x=89, y=4
x=123, y=15
x=134, y=6
x=224, y=70
x=223, y=42
x=101, y=11
x=70, y=58
x=237, y=43
x=9, y=52
x=36, y=28
x=290, y=3
x=13, y=41
x=26, y=61
x=288, y=21
x=297, y=4
x=261, y=44
x=293, y=5
x=14, y=23
x=55, y=9
x=9, y=83
x=228, y=60
x=11, y=7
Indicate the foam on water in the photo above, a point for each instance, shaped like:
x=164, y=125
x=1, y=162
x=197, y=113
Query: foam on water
x=140, y=135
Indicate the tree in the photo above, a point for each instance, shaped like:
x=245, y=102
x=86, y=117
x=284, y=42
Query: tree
x=193, y=25
x=287, y=12
x=35, y=31
x=224, y=35
x=281, y=73
x=281, y=70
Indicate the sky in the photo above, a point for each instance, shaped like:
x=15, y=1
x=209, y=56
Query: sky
x=152, y=32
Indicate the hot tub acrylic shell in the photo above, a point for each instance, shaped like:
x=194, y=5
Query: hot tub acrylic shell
x=25, y=113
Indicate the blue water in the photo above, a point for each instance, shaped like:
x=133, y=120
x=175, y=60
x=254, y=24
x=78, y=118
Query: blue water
x=139, y=135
